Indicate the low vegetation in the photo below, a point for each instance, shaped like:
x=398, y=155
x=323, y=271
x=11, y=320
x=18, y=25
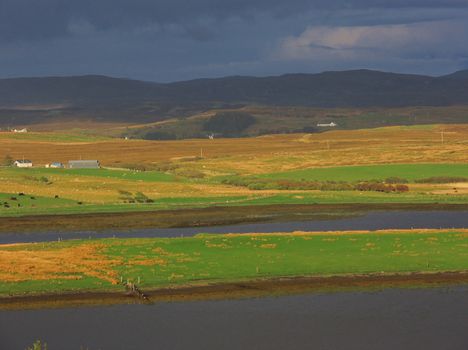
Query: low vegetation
x=228, y=123
x=138, y=197
x=442, y=179
x=80, y=265
x=254, y=183
x=38, y=345
x=386, y=165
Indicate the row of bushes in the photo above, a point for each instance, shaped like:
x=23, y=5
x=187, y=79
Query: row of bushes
x=442, y=180
x=138, y=197
x=263, y=184
x=138, y=167
x=380, y=187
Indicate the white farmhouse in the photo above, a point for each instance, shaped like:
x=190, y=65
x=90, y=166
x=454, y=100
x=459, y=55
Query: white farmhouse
x=23, y=163
x=330, y=125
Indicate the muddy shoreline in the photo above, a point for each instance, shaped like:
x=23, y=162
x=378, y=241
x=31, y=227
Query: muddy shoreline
x=202, y=217
x=242, y=289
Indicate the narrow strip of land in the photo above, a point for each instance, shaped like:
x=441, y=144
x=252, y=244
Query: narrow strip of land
x=241, y=289
x=206, y=260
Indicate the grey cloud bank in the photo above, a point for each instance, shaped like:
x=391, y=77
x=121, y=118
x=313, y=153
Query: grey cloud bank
x=181, y=39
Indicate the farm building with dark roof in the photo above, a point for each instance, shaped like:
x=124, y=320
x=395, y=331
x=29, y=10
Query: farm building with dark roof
x=84, y=164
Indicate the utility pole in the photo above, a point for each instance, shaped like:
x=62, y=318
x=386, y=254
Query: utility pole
x=442, y=137
x=201, y=152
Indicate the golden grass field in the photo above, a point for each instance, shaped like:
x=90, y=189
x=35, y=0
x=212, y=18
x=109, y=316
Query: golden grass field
x=27, y=265
x=263, y=154
x=241, y=156
x=98, y=190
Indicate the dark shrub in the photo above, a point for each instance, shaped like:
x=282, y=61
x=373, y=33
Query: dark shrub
x=374, y=186
x=395, y=180
x=380, y=187
x=7, y=161
x=166, y=166
x=257, y=186
x=442, y=180
x=135, y=167
x=229, y=123
x=191, y=173
x=125, y=195
x=44, y=179
x=402, y=188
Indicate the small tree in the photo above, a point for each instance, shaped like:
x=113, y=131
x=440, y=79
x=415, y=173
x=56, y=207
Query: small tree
x=7, y=161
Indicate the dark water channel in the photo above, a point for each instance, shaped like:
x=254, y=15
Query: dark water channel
x=390, y=319
x=377, y=220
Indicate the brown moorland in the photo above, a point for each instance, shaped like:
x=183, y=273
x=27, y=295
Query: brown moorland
x=261, y=154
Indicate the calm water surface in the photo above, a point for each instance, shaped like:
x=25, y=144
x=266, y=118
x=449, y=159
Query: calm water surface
x=390, y=319
x=370, y=221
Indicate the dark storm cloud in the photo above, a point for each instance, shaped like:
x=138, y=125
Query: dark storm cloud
x=39, y=19
x=167, y=40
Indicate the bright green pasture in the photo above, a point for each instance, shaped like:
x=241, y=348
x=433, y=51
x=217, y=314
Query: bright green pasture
x=164, y=262
x=409, y=172
x=52, y=206
x=217, y=258
x=12, y=203
x=350, y=197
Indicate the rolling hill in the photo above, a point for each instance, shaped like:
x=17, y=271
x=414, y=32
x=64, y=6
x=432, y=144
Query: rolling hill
x=32, y=100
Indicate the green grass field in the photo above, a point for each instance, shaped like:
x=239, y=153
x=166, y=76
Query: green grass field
x=410, y=172
x=22, y=203
x=52, y=206
x=337, y=197
x=101, y=190
x=80, y=265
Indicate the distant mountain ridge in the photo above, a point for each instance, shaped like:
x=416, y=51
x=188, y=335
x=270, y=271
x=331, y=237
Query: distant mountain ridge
x=107, y=98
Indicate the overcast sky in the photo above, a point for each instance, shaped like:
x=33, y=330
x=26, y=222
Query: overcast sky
x=169, y=40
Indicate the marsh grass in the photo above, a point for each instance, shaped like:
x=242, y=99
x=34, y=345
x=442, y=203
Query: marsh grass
x=209, y=258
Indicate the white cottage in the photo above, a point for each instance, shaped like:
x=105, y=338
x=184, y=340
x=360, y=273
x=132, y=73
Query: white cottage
x=329, y=125
x=23, y=163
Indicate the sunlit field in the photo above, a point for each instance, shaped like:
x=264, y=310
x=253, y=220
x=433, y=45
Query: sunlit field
x=277, y=169
x=79, y=265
